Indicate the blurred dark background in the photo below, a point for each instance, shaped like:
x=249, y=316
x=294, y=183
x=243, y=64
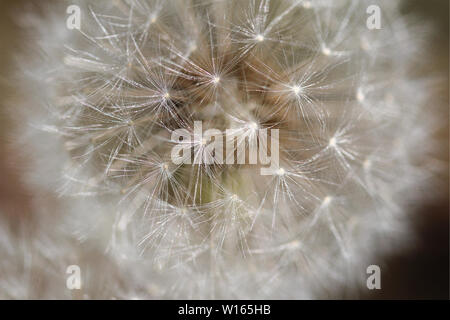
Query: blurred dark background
x=421, y=272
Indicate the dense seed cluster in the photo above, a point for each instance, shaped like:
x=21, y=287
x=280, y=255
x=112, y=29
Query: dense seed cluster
x=348, y=113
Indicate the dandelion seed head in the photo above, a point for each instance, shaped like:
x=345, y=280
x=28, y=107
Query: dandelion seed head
x=365, y=44
x=326, y=201
x=306, y=4
x=326, y=51
x=192, y=47
x=296, y=89
x=295, y=244
x=360, y=95
x=123, y=222
x=111, y=100
x=253, y=126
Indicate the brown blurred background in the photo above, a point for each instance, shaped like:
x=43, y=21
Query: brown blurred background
x=418, y=273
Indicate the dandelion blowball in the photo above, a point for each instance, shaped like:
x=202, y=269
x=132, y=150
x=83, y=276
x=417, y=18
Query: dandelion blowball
x=223, y=149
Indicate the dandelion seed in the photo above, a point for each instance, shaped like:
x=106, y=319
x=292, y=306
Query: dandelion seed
x=293, y=245
x=332, y=142
x=216, y=80
x=123, y=222
x=259, y=38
